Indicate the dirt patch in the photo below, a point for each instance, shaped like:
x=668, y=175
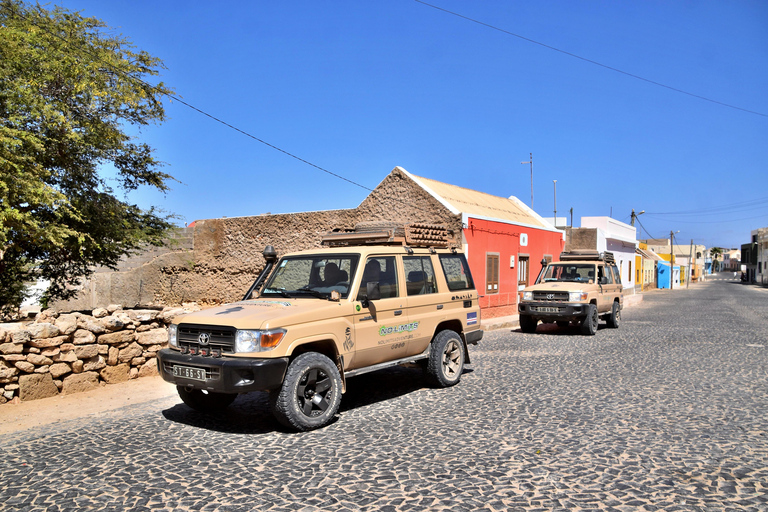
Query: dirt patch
x=20, y=416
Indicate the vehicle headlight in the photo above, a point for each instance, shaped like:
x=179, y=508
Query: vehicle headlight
x=173, y=335
x=527, y=295
x=247, y=340
x=577, y=296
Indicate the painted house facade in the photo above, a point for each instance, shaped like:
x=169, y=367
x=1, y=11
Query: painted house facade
x=504, y=240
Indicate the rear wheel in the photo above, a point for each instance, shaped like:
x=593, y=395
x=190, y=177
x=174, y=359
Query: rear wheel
x=528, y=323
x=310, y=395
x=205, y=401
x=589, y=323
x=615, y=318
x=446, y=359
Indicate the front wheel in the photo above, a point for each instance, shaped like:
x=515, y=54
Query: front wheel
x=528, y=323
x=589, y=323
x=205, y=401
x=446, y=359
x=310, y=395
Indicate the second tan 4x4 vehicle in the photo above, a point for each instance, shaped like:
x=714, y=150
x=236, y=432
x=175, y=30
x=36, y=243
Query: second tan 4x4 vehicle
x=369, y=300
x=582, y=287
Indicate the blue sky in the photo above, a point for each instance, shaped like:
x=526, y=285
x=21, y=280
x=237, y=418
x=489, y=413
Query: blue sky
x=358, y=88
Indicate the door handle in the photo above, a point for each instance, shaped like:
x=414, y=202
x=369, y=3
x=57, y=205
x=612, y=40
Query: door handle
x=398, y=312
x=439, y=306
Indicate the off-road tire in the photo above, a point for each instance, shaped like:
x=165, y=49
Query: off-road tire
x=205, y=401
x=310, y=395
x=615, y=319
x=446, y=359
x=528, y=323
x=589, y=322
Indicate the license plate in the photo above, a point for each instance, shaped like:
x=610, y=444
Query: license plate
x=542, y=309
x=189, y=373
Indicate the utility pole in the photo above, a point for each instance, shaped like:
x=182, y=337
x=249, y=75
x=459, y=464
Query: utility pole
x=671, y=261
x=690, y=266
x=530, y=162
x=555, y=182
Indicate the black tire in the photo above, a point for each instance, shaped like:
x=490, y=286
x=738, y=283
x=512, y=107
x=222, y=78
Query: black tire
x=563, y=323
x=589, y=323
x=446, y=359
x=615, y=319
x=205, y=401
x=310, y=395
x=528, y=323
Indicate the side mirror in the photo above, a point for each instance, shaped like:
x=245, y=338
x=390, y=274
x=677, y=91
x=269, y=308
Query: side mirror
x=373, y=291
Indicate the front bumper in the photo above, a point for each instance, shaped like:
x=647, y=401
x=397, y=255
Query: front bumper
x=558, y=311
x=224, y=374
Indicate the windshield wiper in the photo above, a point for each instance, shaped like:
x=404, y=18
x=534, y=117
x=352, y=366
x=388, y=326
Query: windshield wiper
x=319, y=295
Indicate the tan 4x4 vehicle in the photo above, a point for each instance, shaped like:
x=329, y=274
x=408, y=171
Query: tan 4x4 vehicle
x=583, y=286
x=368, y=301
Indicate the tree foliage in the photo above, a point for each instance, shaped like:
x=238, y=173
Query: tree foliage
x=69, y=91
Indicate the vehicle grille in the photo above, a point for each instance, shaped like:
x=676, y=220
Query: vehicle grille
x=220, y=340
x=550, y=296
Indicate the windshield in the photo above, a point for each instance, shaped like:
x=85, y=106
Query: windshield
x=578, y=273
x=312, y=276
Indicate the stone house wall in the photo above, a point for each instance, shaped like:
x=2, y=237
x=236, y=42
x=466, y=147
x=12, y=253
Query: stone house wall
x=70, y=353
x=225, y=255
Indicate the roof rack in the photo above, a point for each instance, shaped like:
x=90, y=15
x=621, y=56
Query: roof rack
x=411, y=235
x=587, y=254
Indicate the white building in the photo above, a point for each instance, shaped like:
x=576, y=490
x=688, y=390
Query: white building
x=618, y=238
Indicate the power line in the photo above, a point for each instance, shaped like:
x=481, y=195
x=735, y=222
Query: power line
x=732, y=207
x=631, y=75
x=231, y=126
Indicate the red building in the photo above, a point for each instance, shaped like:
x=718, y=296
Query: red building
x=505, y=242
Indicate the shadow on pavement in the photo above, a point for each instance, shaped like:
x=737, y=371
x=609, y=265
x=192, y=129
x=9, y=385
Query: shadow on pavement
x=250, y=414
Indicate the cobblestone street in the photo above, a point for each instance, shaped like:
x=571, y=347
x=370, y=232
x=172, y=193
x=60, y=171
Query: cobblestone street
x=668, y=412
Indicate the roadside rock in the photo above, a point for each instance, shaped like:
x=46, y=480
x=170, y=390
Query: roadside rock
x=36, y=386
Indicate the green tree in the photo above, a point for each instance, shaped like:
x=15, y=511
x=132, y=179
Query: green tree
x=69, y=91
x=715, y=252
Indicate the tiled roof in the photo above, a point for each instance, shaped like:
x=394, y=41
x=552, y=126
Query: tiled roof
x=474, y=203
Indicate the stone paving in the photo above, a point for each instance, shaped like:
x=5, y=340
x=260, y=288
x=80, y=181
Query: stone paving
x=666, y=413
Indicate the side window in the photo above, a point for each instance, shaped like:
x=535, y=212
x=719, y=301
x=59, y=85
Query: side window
x=605, y=274
x=419, y=275
x=491, y=273
x=617, y=274
x=382, y=270
x=456, y=272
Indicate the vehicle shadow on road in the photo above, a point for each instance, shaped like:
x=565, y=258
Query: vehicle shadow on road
x=556, y=330
x=250, y=413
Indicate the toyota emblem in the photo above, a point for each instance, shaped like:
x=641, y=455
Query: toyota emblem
x=550, y=296
x=204, y=338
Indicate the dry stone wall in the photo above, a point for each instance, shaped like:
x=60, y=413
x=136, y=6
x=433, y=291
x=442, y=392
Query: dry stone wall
x=74, y=352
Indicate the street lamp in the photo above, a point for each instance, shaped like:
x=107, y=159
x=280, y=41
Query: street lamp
x=530, y=162
x=634, y=215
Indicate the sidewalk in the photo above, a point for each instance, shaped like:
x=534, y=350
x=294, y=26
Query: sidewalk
x=513, y=321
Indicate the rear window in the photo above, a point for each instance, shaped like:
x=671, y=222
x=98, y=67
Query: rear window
x=456, y=272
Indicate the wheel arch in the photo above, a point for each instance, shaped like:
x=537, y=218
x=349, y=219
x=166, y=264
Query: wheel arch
x=325, y=346
x=457, y=327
